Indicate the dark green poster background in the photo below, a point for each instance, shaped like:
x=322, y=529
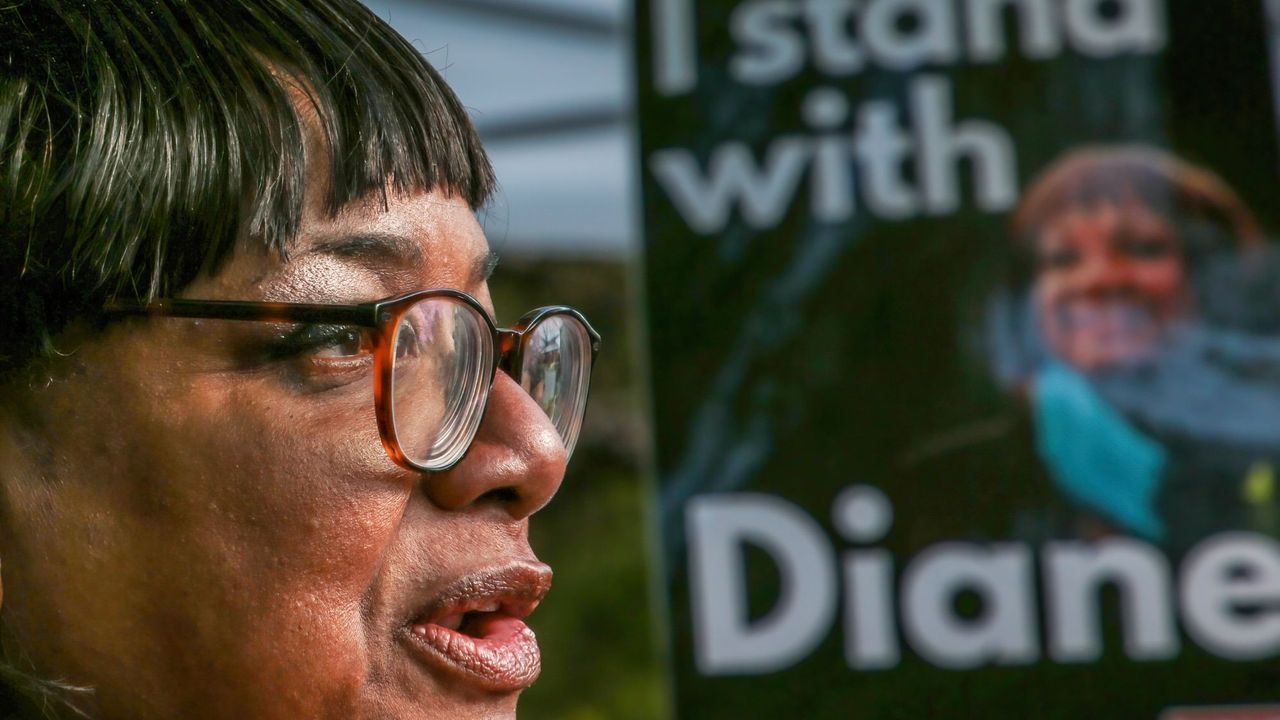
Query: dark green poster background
x=965, y=330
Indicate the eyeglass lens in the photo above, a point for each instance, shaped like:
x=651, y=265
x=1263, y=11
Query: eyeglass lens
x=442, y=350
x=555, y=371
x=440, y=367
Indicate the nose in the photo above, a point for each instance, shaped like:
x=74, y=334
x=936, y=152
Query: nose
x=1096, y=276
x=516, y=461
x=1101, y=274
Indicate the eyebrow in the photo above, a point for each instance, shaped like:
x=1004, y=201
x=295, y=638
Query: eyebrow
x=371, y=248
x=389, y=251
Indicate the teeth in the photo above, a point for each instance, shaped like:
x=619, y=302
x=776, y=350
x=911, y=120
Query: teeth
x=1109, y=317
x=456, y=619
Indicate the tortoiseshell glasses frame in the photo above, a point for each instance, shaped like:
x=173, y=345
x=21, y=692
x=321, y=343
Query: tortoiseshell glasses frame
x=575, y=344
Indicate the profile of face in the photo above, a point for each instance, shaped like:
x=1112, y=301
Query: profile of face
x=1110, y=281
x=195, y=525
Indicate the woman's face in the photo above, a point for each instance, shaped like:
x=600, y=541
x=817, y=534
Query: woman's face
x=194, y=525
x=1110, y=280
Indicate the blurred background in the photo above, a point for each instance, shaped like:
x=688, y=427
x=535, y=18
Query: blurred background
x=548, y=84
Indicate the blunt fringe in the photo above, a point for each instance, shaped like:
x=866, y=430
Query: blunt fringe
x=1186, y=195
x=139, y=139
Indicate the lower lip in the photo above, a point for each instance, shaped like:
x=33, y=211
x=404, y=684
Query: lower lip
x=503, y=658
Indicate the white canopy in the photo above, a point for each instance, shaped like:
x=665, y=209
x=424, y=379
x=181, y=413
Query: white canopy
x=548, y=84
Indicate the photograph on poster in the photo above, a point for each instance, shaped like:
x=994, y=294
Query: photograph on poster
x=1128, y=330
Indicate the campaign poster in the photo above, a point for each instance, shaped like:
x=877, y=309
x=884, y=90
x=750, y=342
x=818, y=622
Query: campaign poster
x=964, y=329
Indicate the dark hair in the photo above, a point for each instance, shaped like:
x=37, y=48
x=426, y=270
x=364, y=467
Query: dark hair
x=1204, y=212
x=140, y=138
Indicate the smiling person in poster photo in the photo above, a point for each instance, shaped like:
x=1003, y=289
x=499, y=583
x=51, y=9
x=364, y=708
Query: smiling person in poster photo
x=1149, y=366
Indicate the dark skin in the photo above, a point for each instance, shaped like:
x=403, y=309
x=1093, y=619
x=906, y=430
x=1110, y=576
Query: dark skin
x=195, y=532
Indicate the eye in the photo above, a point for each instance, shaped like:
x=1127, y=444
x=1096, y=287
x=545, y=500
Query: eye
x=1059, y=257
x=1146, y=247
x=344, y=343
x=322, y=342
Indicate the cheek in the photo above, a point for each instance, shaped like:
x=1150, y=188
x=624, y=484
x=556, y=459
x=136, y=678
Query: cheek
x=303, y=499
x=1049, y=290
x=1051, y=285
x=276, y=515
x=192, y=530
x=1163, y=282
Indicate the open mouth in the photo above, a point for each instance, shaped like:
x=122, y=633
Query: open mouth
x=475, y=629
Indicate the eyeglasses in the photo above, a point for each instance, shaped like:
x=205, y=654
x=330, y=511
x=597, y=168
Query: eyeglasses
x=435, y=356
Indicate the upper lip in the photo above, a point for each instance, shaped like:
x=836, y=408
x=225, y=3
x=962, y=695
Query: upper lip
x=514, y=589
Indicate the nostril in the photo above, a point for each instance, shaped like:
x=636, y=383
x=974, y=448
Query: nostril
x=505, y=495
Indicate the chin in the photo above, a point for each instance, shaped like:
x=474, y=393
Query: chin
x=445, y=706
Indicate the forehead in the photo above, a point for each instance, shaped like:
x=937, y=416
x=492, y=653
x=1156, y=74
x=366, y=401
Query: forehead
x=1102, y=220
x=372, y=248
x=421, y=228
